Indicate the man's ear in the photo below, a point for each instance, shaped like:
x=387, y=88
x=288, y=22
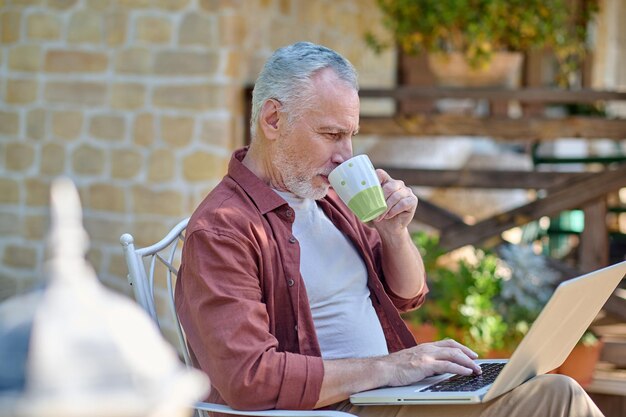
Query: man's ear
x=269, y=118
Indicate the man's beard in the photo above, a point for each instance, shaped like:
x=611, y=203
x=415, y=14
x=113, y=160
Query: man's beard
x=296, y=176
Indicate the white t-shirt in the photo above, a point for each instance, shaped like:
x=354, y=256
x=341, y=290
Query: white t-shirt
x=335, y=277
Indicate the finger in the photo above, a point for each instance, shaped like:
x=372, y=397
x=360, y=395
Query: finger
x=442, y=367
x=457, y=356
x=454, y=344
x=399, y=205
x=383, y=177
x=391, y=186
x=401, y=201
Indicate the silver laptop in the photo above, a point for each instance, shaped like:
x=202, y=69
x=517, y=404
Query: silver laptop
x=553, y=335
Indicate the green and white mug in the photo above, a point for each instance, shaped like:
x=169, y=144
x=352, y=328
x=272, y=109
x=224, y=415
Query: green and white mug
x=356, y=183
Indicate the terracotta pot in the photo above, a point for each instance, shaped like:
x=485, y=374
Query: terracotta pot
x=581, y=363
x=452, y=70
x=498, y=354
x=423, y=332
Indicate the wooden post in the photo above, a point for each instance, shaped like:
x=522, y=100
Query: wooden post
x=594, y=240
x=414, y=71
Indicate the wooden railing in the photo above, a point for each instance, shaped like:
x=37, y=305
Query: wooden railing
x=530, y=126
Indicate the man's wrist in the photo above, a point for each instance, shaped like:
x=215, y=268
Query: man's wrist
x=395, y=239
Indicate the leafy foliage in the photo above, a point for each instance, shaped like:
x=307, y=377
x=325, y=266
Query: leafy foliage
x=486, y=302
x=478, y=28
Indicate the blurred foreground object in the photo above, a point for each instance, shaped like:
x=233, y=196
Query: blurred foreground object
x=74, y=348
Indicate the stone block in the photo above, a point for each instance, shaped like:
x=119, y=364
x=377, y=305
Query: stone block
x=107, y=197
x=152, y=29
x=115, y=27
x=37, y=192
x=9, y=123
x=20, y=256
x=232, y=30
x=191, y=97
x=126, y=163
x=67, y=124
x=117, y=265
x=134, y=4
x=198, y=29
x=218, y=132
x=10, y=26
x=88, y=160
x=133, y=61
x=128, y=96
x=65, y=61
x=285, y=7
x=9, y=224
x=36, y=226
x=78, y=92
x=220, y=5
x=43, y=26
x=203, y=166
x=235, y=64
x=143, y=129
x=209, y=5
x=177, y=130
x=52, y=159
x=171, y=5
x=161, y=165
x=9, y=191
x=25, y=58
x=147, y=232
x=103, y=230
x=99, y=5
x=36, y=124
x=61, y=4
x=21, y=91
x=108, y=126
x=26, y=3
x=186, y=63
x=163, y=202
x=85, y=26
x=19, y=156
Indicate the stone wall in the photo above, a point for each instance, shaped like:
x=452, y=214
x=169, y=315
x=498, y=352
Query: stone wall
x=140, y=103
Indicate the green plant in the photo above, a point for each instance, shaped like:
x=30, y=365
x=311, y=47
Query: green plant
x=478, y=28
x=486, y=301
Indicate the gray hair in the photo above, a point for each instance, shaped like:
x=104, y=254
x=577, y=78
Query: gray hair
x=287, y=74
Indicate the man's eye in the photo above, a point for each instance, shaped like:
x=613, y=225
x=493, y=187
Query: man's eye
x=332, y=135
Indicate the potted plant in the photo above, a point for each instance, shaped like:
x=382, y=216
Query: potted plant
x=462, y=299
x=470, y=33
x=489, y=300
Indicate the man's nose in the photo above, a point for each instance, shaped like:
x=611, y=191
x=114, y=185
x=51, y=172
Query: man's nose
x=343, y=151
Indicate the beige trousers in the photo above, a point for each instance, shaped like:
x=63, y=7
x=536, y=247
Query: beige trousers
x=545, y=395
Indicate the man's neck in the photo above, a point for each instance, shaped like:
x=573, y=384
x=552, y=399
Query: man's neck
x=258, y=160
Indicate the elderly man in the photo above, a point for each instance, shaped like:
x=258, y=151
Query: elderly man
x=287, y=299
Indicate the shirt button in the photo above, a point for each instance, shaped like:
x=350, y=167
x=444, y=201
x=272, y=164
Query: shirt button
x=292, y=239
x=289, y=213
x=295, y=327
x=291, y=282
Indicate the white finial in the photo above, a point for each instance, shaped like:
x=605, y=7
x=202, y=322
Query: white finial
x=68, y=241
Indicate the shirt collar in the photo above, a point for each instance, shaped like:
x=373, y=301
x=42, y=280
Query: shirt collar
x=260, y=193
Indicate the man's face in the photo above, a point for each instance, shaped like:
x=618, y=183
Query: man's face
x=320, y=140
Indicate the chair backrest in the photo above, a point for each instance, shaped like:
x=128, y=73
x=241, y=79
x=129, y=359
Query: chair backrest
x=164, y=257
x=145, y=263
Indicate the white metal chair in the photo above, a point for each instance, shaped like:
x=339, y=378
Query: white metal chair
x=161, y=259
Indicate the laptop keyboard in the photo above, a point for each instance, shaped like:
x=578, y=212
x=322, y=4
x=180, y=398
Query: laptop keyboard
x=468, y=382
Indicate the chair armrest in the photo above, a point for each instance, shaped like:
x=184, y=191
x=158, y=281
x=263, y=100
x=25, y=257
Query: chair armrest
x=219, y=408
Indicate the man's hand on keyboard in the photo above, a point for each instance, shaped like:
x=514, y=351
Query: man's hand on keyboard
x=412, y=365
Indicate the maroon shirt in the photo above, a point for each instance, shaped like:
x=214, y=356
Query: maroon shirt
x=243, y=303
